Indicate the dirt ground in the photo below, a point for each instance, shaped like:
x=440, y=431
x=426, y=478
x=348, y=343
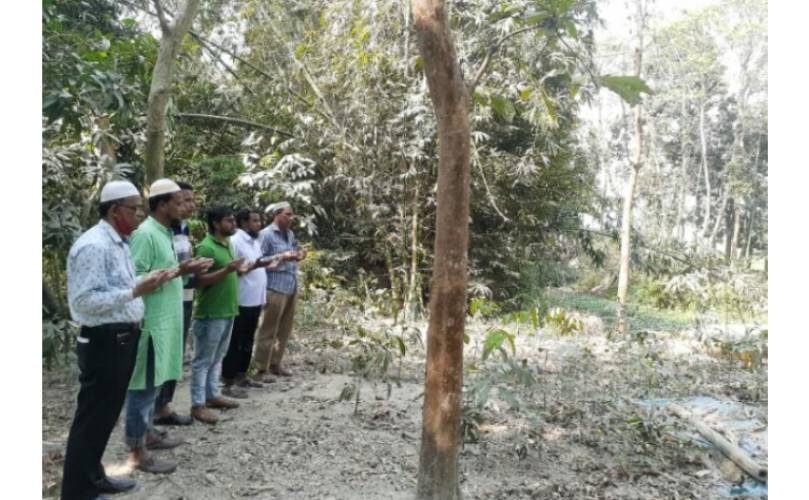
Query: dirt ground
x=582, y=430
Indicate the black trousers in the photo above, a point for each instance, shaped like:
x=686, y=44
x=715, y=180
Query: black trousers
x=166, y=394
x=240, y=351
x=106, y=362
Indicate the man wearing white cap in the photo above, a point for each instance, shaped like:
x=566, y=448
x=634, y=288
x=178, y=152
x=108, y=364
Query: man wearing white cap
x=104, y=296
x=160, y=349
x=278, y=241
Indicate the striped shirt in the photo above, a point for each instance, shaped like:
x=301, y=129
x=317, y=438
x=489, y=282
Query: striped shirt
x=100, y=279
x=284, y=278
x=184, y=251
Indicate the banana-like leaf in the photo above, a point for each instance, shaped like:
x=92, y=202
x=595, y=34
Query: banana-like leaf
x=629, y=88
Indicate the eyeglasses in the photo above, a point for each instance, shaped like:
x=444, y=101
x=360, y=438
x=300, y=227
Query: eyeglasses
x=134, y=208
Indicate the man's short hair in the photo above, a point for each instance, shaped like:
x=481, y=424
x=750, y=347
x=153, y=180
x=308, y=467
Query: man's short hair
x=185, y=186
x=216, y=214
x=243, y=216
x=155, y=201
x=104, y=208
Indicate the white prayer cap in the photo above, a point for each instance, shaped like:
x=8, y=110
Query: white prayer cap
x=116, y=190
x=163, y=186
x=277, y=207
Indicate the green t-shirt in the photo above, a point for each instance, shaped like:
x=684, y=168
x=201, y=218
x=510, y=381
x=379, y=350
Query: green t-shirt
x=220, y=300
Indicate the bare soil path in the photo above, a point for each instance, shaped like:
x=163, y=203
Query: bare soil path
x=297, y=439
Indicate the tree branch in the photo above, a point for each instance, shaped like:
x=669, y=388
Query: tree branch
x=196, y=36
x=233, y=121
x=310, y=80
x=637, y=241
x=165, y=26
x=205, y=45
x=587, y=68
x=489, y=194
x=490, y=53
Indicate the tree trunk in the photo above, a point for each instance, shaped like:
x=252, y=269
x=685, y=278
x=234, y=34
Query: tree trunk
x=730, y=450
x=681, y=192
x=719, y=216
x=441, y=413
x=749, y=245
x=735, y=243
x=626, y=219
x=411, y=306
x=679, y=228
x=706, y=221
x=626, y=235
x=161, y=85
x=729, y=232
x=395, y=284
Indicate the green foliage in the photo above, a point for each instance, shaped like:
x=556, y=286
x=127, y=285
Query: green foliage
x=729, y=291
x=642, y=316
x=215, y=182
x=494, y=340
x=197, y=229
x=373, y=352
x=530, y=316
x=483, y=308
x=563, y=322
x=512, y=382
x=629, y=88
x=749, y=352
x=57, y=341
x=95, y=78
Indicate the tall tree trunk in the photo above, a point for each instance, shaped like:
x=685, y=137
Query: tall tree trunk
x=735, y=243
x=160, y=88
x=679, y=228
x=441, y=413
x=749, y=227
x=729, y=230
x=626, y=235
x=703, y=142
x=406, y=43
x=719, y=217
x=411, y=306
x=626, y=220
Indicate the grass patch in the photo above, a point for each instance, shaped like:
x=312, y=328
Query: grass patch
x=641, y=316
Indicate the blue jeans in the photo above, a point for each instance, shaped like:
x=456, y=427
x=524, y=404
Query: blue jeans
x=140, y=406
x=212, y=340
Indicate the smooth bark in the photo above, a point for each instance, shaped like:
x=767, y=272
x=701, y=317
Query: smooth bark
x=729, y=232
x=626, y=218
x=160, y=89
x=703, y=143
x=411, y=304
x=719, y=217
x=441, y=413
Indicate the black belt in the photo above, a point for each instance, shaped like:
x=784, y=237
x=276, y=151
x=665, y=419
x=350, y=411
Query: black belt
x=112, y=328
x=122, y=331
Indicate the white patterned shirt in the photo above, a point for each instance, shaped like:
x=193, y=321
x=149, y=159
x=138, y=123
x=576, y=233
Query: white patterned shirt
x=100, y=279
